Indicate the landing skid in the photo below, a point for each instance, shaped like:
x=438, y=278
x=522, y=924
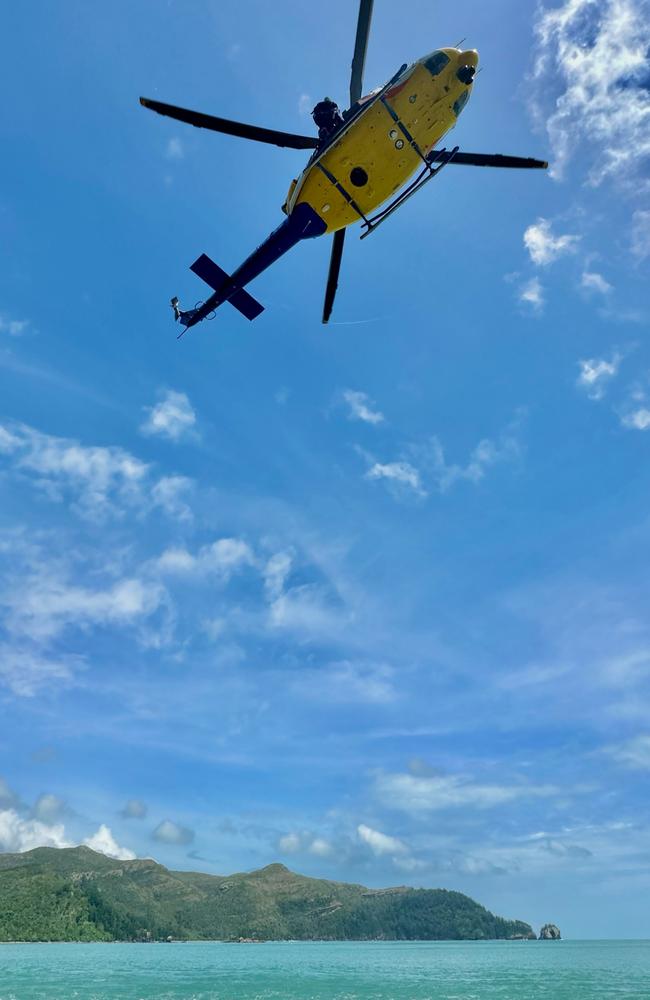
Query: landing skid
x=426, y=174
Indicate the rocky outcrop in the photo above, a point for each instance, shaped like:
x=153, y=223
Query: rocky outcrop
x=550, y=932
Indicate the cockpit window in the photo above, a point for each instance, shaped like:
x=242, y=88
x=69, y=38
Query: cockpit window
x=436, y=63
x=461, y=102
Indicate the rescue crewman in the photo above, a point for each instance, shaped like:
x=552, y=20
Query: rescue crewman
x=327, y=118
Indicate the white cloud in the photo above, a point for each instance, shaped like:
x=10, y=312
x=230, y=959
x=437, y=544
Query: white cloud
x=134, y=809
x=640, y=245
x=8, y=442
x=104, y=842
x=14, y=327
x=306, y=610
x=290, y=843
x=380, y=843
x=346, y=683
x=320, y=847
x=48, y=808
x=638, y=420
x=634, y=753
x=174, y=149
x=26, y=671
x=415, y=794
x=102, y=477
x=544, y=247
x=173, y=417
x=169, y=832
x=44, y=606
x=591, y=281
x=595, y=373
x=18, y=834
x=101, y=481
x=304, y=104
x=532, y=294
x=361, y=407
x=276, y=572
x=222, y=558
x=486, y=454
x=8, y=798
x=168, y=494
x=403, y=474
x=588, y=84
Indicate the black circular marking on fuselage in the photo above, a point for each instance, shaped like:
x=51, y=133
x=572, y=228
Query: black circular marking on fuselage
x=359, y=177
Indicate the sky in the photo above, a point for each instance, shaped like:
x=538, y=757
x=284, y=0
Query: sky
x=370, y=600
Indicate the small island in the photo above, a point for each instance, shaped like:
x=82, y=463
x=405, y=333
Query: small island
x=550, y=932
x=76, y=894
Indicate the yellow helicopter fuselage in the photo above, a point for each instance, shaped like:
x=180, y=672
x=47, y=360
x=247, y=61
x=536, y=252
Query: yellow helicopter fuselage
x=371, y=158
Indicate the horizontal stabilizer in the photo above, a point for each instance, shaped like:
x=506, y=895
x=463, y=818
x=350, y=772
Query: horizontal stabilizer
x=206, y=269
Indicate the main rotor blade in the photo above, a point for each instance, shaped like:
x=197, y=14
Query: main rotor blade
x=490, y=160
x=240, y=129
x=360, y=46
x=333, y=273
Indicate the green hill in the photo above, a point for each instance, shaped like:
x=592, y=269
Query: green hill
x=76, y=894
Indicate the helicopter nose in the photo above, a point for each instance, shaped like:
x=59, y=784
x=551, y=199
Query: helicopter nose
x=468, y=58
x=466, y=74
x=467, y=63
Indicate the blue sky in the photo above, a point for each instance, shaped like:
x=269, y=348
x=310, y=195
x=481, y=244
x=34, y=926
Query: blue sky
x=370, y=600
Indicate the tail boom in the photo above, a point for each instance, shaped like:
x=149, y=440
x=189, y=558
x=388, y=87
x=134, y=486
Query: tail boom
x=303, y=223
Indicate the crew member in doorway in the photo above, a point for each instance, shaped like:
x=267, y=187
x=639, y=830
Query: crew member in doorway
x=327, y=118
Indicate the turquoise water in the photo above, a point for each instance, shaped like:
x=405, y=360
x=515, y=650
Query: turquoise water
x=499, y=970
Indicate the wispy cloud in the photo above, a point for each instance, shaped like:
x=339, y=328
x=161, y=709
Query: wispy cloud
x=531, y=294
x=361, y=407
x=544, y=247
x=47, y=595
x=100, y=481
x=134, y=809
x=400, y=474
x=173, y=417
x=347, y=682
x=380, y=843
x=168, y=832
x=46, y=604
x=633, y=753
x=415, y=794
x=596, y=373
x=640, y=244
x=14, y=327
x=27, y=668
x=222, y=558
x=592, y=281
x=305, y=843
x=638, y=419
x=101, y=477
x=486, y=454
x=588, y=85
x=427, y=468
x=174, y=149
x=170, y=494
x=305, y=104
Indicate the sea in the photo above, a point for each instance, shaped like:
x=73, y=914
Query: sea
x=408, y=970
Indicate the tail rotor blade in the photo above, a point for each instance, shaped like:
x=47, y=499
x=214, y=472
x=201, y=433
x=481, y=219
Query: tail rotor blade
x=360, y=47
x=333, y=273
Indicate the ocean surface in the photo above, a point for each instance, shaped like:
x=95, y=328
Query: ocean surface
x=499, y=970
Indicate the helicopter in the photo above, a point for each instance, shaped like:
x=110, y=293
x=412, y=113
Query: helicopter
x=362, y=157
